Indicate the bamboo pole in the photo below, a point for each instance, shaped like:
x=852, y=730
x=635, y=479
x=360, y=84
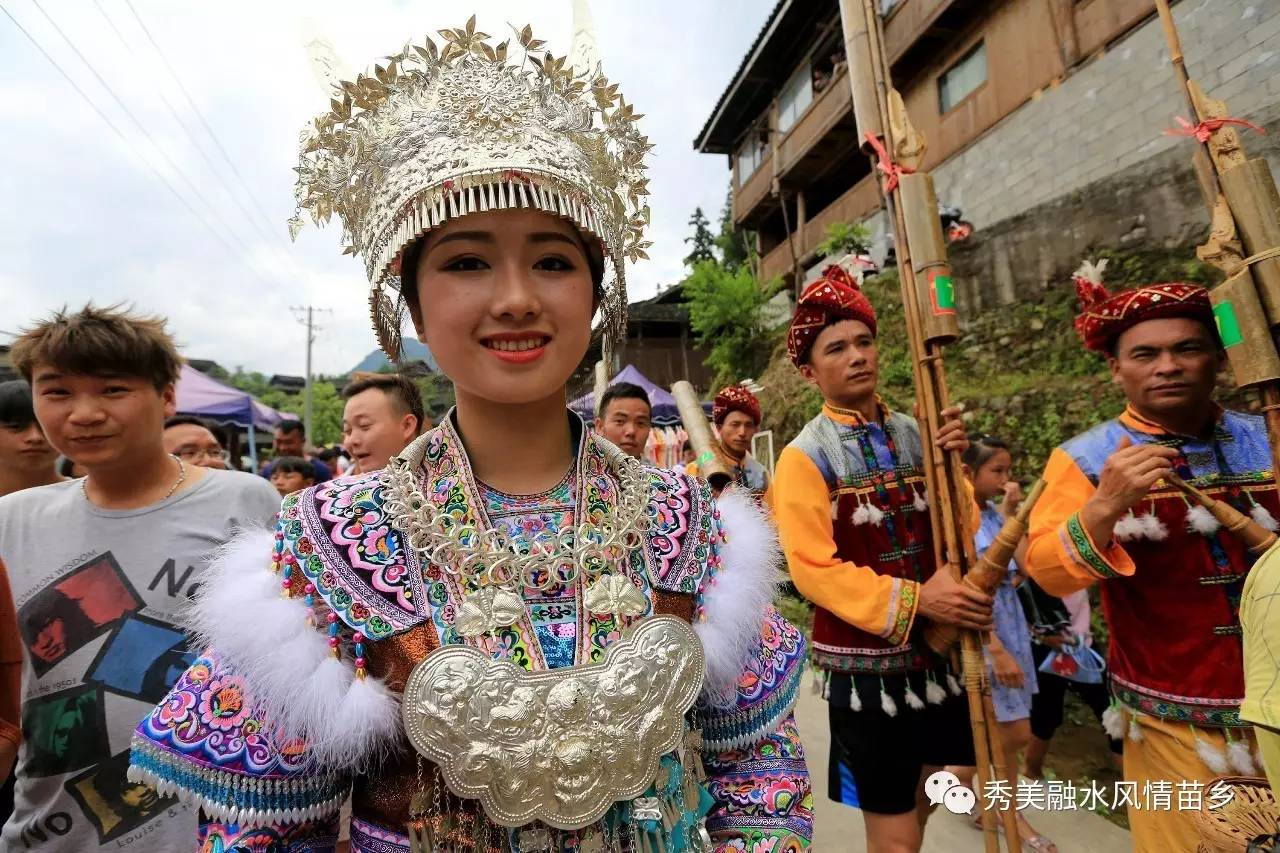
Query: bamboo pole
x=992, y=566
x=953, y=542
x=1254, y=536
x=1253, y=362
x=711, y=465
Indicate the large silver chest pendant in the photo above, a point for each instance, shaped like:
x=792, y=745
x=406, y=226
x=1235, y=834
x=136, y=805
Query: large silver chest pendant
x=559, y=746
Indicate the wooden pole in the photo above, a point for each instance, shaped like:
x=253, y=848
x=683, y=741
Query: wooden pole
x=1223, y=248
x=950, y=502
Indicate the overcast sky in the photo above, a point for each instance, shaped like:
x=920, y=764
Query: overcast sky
x=83, y=217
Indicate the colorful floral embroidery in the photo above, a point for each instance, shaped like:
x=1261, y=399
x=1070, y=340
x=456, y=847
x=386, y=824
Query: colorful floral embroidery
x=762, y=793
x=1080, y=547
x=902, y=610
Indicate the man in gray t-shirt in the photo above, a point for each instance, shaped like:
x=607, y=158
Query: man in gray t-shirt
x=100, y=570
x=99, y=595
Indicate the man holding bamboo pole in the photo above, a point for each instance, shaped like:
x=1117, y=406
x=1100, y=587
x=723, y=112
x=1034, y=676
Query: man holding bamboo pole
x=1171, y=575
x=849, y=500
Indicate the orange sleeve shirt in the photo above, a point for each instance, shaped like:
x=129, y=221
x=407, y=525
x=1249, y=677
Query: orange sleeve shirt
x=1061, y=555
x=801, y=503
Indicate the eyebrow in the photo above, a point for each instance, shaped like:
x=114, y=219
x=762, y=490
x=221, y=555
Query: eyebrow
x=487, y=237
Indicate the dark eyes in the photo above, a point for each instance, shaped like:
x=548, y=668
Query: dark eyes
x=553, y=264
x=470, y=263
x=465, y=264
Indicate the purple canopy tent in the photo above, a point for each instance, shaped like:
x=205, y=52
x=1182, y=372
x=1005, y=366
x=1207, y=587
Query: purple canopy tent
x=664, y=405
x=205, y=397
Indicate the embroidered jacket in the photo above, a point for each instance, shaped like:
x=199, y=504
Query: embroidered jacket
x=1171, y=595
x=225, y=736
x=848, y=498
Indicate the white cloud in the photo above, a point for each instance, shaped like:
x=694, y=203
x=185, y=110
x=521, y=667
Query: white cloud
x=83, y=217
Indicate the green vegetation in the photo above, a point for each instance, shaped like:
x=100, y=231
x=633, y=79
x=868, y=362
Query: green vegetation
x=327, y=402
x=845, y=238
x=1020, y=370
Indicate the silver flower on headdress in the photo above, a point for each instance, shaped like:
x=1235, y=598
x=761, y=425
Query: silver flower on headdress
x=438, y=132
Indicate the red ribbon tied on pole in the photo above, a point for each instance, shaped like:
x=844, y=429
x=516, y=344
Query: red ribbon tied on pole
x=892, y=171
x=1208, y=127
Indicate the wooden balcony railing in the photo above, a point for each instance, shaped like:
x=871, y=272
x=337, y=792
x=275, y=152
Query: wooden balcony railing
x=829, y=106
x=908, y=22
x=859, y=202
x=754, y=191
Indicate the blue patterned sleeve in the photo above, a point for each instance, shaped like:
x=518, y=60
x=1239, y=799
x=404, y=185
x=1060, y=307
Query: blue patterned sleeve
x=210, y=742
x=753, y=755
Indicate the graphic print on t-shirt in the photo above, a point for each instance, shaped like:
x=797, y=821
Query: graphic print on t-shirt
x=67, y=731
x=67, y=615
x=141, y=659
x=113, y=803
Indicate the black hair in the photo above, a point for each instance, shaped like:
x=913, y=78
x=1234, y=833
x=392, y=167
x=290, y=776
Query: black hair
x=187, y=420
x=294, y=465
x=981, y=449
x=401, y=389
x=622, y=391
x=16, y=408
x=65, y=467
x=291, y=426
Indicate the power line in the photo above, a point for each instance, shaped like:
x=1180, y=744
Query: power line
x=213, y=169
x=191, y=102
x=119, y=134
x=138, y=124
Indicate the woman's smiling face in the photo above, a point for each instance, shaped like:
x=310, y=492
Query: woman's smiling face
x=505, y=301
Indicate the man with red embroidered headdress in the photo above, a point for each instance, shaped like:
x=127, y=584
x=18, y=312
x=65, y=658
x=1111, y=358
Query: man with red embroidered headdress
x=849, y=499
x=1170, y=578
x=736, y=414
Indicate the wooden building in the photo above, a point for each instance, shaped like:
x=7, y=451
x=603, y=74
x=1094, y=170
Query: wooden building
x=785, y=121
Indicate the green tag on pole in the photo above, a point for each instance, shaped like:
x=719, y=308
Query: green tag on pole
x=1224, y=314
x=943, y=293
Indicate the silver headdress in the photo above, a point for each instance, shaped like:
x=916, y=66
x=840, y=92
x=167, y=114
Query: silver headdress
x=438, y=132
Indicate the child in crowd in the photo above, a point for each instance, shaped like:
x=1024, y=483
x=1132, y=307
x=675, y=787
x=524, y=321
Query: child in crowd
x=291, y=474
x=987, y=464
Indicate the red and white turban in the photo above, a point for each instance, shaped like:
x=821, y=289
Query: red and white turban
x=1105, y=316
x=835, y=296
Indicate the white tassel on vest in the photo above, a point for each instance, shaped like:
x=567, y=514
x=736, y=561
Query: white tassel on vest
x=953, y=685
x=1200, y=520
x=1264, y=518
x=933, y=692
x=1239, y=758
x=1113, y=722
x=913, y=699
x=1215, y=759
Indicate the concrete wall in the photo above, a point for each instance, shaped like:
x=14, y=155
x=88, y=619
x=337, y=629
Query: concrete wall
x=1086, y=165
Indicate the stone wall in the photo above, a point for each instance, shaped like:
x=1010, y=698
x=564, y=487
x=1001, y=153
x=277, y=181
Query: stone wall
x=1086, y=165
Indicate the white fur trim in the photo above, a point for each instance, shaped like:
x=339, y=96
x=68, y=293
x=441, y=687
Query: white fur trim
x=861, y=515
x=746, y=583
x=953, y=685
x=1135, y=731
x=919, y=503
x=933, y=693
x=241, y=615
x=875, y=515
x=887, y=704
x=913, y=699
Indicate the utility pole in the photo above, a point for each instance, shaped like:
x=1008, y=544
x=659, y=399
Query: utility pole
x=305, y=314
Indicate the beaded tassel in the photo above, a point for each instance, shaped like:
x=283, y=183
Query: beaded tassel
x=358, y=641
x=334, y=642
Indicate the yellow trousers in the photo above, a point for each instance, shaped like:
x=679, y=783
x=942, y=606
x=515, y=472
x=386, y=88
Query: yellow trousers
x=1167, y=753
